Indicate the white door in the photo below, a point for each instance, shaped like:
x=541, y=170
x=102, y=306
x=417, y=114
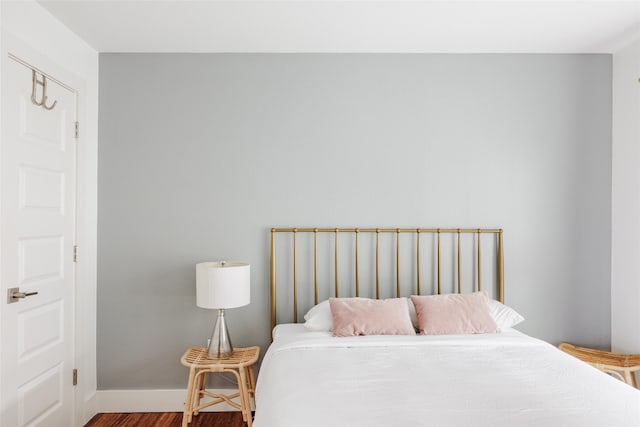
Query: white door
x=37, y=236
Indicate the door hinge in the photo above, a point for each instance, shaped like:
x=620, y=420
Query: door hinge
x=75, y=253
x=75, y=377
x=77, y=130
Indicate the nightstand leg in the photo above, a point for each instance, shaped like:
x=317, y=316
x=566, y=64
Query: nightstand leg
x=244, y=396
x=630, y=378
x=252, y=383
x=188, y=404
x=202, y=381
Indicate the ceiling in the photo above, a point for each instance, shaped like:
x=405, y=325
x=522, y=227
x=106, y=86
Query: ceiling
x=452, y=26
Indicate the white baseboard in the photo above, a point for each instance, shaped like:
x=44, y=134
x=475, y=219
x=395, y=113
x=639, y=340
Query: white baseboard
x=151, y=401
x=90, y=408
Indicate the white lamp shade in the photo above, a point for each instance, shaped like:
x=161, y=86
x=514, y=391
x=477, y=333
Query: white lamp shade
x=222, y=285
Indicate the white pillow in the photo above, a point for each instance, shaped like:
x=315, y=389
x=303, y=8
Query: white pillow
x=318, y=318
x=504, y=316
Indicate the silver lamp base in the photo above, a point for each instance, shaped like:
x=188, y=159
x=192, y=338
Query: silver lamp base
x=220, y=343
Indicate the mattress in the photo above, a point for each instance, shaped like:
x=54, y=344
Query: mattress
x=506, y=379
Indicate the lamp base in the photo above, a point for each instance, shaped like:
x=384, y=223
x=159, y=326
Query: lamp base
x=220, y=343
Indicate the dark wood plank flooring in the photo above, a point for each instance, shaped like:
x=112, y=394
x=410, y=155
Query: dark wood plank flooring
x=167, y=419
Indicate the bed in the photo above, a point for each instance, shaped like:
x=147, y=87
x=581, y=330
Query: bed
x=313, y=378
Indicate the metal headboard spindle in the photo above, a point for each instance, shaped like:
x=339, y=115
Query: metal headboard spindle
x=357, y=232
x=357, y=263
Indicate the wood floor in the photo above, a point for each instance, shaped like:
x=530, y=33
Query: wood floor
x=168, y=419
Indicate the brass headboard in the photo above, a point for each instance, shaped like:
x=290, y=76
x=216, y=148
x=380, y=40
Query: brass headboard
x=353, y=237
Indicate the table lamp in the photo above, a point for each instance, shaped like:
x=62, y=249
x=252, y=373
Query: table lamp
x=222, y=285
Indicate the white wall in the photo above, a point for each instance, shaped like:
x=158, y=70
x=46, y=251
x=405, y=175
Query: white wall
x=27, y=23
x=625, y=251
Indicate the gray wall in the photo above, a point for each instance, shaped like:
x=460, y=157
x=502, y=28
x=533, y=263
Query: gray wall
x=201, y=153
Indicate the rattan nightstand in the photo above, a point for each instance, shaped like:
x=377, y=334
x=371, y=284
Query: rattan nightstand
x=240, y=363
x=621, y=366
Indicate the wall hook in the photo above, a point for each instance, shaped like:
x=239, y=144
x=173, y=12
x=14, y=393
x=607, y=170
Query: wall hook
x=34, y=86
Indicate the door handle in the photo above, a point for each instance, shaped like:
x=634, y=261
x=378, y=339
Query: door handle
x=14, y=295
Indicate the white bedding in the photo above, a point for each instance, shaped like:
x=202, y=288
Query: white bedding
x=312, y=379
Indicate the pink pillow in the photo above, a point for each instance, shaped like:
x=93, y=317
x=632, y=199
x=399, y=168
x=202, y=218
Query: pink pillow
x=454, y=314
x=363, y=316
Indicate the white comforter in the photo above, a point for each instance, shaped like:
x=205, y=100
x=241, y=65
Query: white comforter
x=509, y=379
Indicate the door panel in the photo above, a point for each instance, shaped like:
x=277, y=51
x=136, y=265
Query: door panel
x=40, y=259
x=41, y=189
x=41, y=397
x=40, y=329
x=46, y=127
x=37, y=180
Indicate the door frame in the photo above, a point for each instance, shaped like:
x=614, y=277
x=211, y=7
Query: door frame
x=84, y=285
